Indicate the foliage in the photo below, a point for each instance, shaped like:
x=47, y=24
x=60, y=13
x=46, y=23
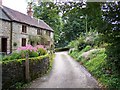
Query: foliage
x=13, y=56
x=33, y=54
x=110, y=29
x=65, y=19
x=87, y=48
x=72, y=24
x=49, y=12
x=91, y=38
x=98, y=67
x=62, y=49
x=14, y=44
x=22, y=51
x=41, y=51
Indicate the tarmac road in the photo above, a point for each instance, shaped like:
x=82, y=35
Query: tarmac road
x=66, y=73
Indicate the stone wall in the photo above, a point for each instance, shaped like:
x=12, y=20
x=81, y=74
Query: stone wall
x=38, y=68
x=17, y=35
x=14, y=71
x=5, y=32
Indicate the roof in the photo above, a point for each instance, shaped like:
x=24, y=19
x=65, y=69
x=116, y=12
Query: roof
x=3, y=16
x=22, y=18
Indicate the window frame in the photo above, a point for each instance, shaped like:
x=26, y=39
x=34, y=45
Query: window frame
x=24, y=28
x=23, y=42
x=39, y=31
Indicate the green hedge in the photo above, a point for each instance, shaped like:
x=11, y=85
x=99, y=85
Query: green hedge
x=62, y=49
x=13, y=71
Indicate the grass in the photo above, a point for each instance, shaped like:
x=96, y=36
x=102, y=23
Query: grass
x=97, y=66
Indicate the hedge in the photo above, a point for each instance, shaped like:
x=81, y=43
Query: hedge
x=62, y=49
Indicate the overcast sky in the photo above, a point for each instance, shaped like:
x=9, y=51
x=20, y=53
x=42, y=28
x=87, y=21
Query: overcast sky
x=19, y=5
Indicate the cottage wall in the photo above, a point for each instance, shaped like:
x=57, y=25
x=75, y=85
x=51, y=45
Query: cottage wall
x=17, y=34
x=52, y=35
x=5, y=32
x=32, y=31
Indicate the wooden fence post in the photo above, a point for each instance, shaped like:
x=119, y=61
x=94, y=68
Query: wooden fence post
x=27, y=74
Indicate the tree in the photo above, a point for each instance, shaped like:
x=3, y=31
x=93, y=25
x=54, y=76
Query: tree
x=72, y=24
x=49, y=12
x=110, y=28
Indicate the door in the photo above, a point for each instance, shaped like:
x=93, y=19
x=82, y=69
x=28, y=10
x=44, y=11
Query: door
x=4, y=45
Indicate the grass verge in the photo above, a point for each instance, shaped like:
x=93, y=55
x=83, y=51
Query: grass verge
x=96, y=64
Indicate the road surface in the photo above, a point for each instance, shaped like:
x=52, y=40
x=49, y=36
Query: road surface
x=66, y=73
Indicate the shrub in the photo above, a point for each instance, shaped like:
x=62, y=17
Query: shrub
x=81, y=44
x=13, y=56
x=33, y=54
x=41, y=51
x=62, y=49
x=6, y=58
x=87, y=48
x=21, y=52
x=98, y=67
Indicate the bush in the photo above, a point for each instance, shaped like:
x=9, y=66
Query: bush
x=98, y=67
x=33, y=54
x=62, y=49
x=13, y=56
x=81, y=44
x=22, y=51
x=92, y=39
x=87, y=48
x=41, y=51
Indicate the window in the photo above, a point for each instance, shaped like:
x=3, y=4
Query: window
x=48, y=42
x=23, y=41
x=48, y=33
x=39, y=32
x=24, y=28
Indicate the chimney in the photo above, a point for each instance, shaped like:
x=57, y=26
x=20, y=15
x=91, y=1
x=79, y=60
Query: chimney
x=29, y=9
x=0, y=2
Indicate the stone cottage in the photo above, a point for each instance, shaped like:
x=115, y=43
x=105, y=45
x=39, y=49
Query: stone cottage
x=16, y=28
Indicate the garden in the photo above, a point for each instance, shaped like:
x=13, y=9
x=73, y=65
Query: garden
x=14, y=65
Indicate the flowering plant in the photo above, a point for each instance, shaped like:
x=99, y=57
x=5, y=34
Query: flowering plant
x=33, y=51
x=40, y=46
x=28, y=47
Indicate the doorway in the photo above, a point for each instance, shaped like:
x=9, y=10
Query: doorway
x=4, y=45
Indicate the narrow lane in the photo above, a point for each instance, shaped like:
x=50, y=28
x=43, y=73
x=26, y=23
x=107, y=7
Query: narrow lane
x=66, y=73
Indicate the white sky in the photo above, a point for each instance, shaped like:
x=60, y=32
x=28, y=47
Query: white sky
x=19, y=5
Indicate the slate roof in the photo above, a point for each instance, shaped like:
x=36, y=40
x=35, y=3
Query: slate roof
x=3, y=16
x=22, y=18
